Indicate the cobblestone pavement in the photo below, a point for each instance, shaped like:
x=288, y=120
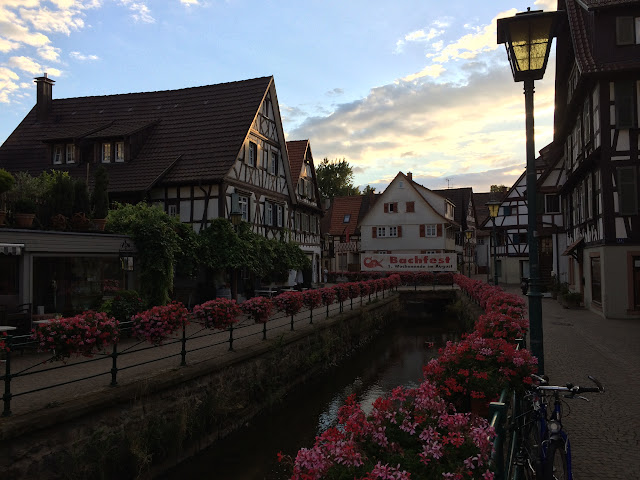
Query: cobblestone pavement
x=604, y=432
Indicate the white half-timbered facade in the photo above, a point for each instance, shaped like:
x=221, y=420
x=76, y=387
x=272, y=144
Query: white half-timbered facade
x=596, y=129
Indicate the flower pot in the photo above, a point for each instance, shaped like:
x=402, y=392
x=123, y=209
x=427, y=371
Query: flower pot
x=100, y=223
x=24, y=220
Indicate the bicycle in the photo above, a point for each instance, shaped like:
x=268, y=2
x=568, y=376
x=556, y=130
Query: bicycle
x=542, y=446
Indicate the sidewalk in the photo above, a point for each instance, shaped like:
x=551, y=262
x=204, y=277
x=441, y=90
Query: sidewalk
x=604, y=432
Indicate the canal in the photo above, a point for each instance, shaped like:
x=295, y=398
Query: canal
x=394, y=358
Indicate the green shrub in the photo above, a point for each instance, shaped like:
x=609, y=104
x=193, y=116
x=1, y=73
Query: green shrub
x=123, y=305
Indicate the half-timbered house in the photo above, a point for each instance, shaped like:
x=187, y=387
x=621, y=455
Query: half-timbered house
x=596, y=131
x=306, y=215
x=189, y=150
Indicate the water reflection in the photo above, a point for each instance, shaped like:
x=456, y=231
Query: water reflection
x=395, y=358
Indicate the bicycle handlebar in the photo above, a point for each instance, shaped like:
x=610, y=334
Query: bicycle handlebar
x=570, y=388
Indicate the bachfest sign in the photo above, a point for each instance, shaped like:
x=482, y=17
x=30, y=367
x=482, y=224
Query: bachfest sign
x=437, y=262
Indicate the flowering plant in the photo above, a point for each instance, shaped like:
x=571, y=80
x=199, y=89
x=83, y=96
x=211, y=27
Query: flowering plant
x=289, y=302
x=157, y=323
x=498, y=325
x=3, y=345
x=478, y=367
x=312, y=298
x=365, y=289
x=373, y=286
x=424, y=278
x=342, y=291
x=82, y=335
x=258, y=308
x=411, y=434
x=394, y=280
x=444, y=278
x=328, y=295
x=354, y=289
x=408, y=278
x=220, y=313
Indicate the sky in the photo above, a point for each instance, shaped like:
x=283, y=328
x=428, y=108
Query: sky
x=414, y=85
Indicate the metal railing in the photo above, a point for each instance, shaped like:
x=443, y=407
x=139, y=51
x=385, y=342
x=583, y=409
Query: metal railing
x=192, y=339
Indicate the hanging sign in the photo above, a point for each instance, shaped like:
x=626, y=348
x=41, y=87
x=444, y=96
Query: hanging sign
x=445, y=262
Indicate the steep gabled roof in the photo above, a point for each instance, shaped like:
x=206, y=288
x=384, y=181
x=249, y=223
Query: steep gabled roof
x=460, y=197
x=340, y=207
x=579, y=17
x=194, y=134
x=296, y=150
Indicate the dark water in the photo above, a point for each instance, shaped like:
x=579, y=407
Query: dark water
x=394, y=358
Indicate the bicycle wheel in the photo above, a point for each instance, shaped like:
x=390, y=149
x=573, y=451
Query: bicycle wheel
x=555, y=468
x=532, y=462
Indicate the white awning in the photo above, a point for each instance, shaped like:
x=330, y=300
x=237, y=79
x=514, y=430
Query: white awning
x=11, y=248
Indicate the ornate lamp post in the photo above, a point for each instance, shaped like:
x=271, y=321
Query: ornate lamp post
x=494, y=206
x=468, y=234
x=527, y=37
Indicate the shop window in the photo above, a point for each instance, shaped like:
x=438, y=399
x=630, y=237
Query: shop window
x=9, y=274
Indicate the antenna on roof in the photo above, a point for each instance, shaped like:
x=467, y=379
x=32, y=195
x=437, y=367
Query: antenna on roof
x=448, y=182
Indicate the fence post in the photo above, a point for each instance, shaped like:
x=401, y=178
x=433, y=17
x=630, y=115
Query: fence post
x=6, y=398
x=310, y=315
x=264, y=330
x=183, y=353
x=292, y=322
x=231, y=338
x=114, y=365
x=497, y=412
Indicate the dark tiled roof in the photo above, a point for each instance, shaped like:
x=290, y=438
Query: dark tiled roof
x=341, y=206
x=296, y=150
x=482, y=211
x=198, y=130
x=582, y=36
x=460, y=198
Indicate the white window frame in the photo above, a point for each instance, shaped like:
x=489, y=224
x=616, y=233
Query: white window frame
x=119, y=153
x=252, y=154
x=268, y=213
x=243, y=202
x=57, y=154
x=273, y=167
x=391, y=207
x=381, y=232
x=172, y=210
x=431, y=230
x=546, y=203
x=105, y=156
x=70, y=153
x=280, y=214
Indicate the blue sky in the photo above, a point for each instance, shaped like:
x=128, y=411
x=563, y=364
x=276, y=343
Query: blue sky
x=414, y=85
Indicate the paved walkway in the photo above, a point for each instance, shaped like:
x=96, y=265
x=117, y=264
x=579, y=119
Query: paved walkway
x=604, y=432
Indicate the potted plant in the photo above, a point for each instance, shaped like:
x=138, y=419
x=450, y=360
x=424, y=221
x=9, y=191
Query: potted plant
x=25, y=212
x=6, y=183
x=100, y=198
x=570, y=299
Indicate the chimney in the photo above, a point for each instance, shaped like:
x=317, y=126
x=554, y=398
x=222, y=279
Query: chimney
x=44, y=87
x=410, y=176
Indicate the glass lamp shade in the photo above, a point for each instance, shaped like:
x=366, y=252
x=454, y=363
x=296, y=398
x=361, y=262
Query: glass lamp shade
x=493, y=207
x=468, y=234
x=527, y=37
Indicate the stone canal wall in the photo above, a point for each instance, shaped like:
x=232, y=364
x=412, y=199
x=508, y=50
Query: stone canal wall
x=140, y=429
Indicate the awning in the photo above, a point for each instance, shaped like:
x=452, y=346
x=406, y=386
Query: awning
x=11, y=248
x=571, y=248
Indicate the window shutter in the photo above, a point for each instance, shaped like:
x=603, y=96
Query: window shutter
x=411, y=207
x=399, y=230
x=386, y=208
x=439, y=229
x=422, y=231
x=374, y=231
x=625, y=31
x=625, y=105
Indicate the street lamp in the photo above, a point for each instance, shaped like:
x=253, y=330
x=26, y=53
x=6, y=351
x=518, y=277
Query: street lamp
x=494, y=206
x=527, y=37
x=468, y=234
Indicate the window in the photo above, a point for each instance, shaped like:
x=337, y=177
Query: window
x=627, y=191
x=70, y=154
x=106, y=153
x=57, y=154
x=506, y=210
x=172, y=210
x=382, y=231
x=297, y=220
x=305, y=222
x=519, y=238
x=625, y=104
x=119, y=151
x=244, y=207
x=586, y=120
x=253, y=154
x=346, y=218
x=595, y=193
x=551, y=203
x=430, y=230
x=265, y=159
x=596, y=287
x=411, y=207
x=280, y=209
x=273, y=166
x=391, y=207
x=393, y=231
x=627, y=30
x=268, y=213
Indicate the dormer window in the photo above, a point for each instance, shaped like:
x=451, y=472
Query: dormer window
x=119, y=151
x=627, y=30
x=106, y=153
x=57, y=154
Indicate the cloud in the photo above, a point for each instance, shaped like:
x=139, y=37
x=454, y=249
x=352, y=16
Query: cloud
x=189, y=3
x=82, y=57
x=8, y=85
x=8, y=45
x=335, y=92
x=433, y=71
x=58, y=21
x=141, y=12
x=546, y=4
x=419, y=36
x=31, y=66
x=50, y=53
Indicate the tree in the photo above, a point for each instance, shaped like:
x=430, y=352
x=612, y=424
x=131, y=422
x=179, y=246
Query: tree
x=498, y=188
x=100, y=197
x=335, y=179
x=368, y=190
